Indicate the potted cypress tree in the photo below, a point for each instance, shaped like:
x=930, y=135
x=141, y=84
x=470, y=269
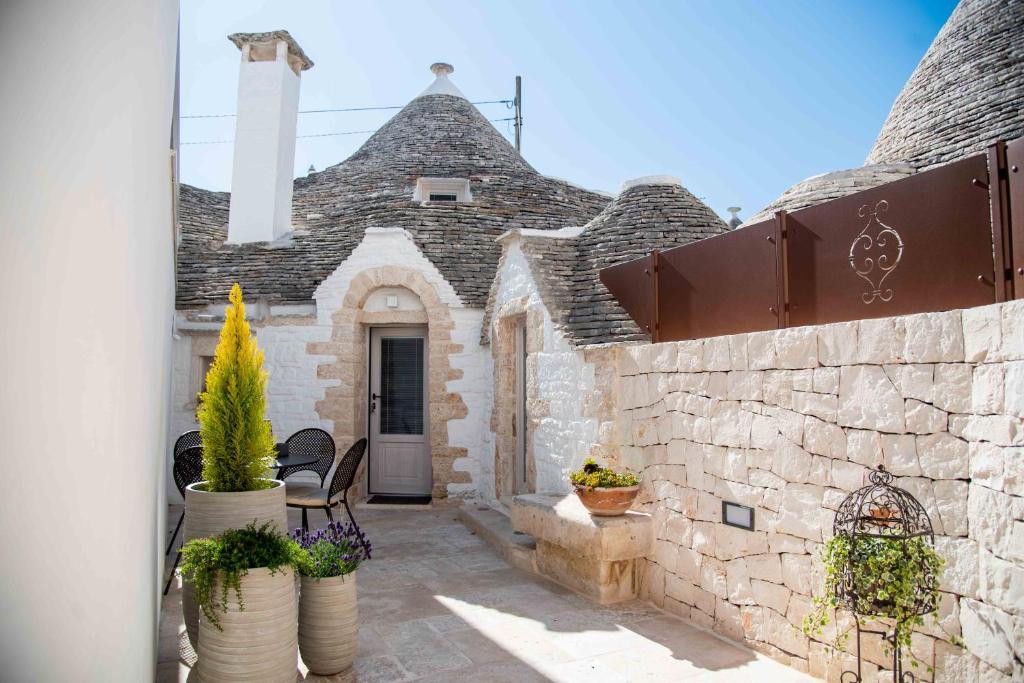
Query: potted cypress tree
x=238, y=446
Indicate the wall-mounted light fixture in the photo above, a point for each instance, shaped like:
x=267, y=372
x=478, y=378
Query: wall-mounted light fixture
x=737, y=515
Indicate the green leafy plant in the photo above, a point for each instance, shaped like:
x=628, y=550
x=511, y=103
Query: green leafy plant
x=891, y=578
x=592, y=475
x=237, y=442
x=230, y=556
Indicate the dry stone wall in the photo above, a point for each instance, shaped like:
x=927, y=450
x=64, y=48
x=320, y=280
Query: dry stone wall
x=789, y=422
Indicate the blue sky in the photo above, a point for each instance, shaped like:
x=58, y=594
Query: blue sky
x=740, y=99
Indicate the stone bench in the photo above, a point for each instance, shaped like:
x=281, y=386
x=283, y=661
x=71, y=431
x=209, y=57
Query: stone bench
x=593, y=555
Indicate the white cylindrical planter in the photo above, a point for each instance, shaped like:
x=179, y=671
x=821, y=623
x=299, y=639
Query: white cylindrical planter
x=208, y=514
x=257, y=643
x=328, y=623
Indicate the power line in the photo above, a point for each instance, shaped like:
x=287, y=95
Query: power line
x=315, y=135
x=327, y=111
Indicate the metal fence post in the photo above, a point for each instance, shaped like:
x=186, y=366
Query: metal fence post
x=1002, y=258
x=781, y=269
x=655, y=296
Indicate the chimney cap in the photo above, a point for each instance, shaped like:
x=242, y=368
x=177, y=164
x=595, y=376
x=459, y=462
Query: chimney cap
x=441, y=68
x=441, y=84
x=269, y=39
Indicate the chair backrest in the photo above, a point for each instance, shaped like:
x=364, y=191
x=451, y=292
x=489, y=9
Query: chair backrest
x=187, y=440
x=346, y=472
x=188, y=468
x=315, y=442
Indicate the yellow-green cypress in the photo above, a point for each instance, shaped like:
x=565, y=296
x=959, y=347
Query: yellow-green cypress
x=237, y=442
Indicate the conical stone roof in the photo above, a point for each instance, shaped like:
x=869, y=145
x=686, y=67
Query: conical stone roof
x=435, y=135
x=654, y=212
x=967, y=91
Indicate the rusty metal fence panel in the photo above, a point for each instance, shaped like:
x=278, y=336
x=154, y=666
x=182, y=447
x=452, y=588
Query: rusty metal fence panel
x=915, y=245
x=632, y=283
x=948, y=238
x=720, y=285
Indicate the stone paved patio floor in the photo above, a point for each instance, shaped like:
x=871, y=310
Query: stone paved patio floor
x=437, y=604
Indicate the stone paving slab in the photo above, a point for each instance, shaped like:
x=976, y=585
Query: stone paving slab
x=437, y=604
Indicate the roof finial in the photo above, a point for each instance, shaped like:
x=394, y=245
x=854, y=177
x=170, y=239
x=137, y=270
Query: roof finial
x=441, y=84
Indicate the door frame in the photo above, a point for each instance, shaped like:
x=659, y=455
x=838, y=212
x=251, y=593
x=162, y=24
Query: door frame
x=370, y=329
x=521, y=415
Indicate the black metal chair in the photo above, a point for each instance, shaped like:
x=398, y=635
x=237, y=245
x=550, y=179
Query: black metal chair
x=188, y=469
x=315, y=442
x=308, y=496
x=187, y=440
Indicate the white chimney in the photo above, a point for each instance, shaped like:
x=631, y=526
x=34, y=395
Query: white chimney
x=268, y=106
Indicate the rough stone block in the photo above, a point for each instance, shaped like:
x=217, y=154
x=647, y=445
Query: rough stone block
x=933, y=337
x=744, y=385
x=982, y=333
x=900, y=454
x=796, y=347
x=797, y=501
x=823, y=406
x=716, y=354
x=923, y=418
x=791, y=462
x=1000, y=583
x=943, y=456
x=988, y=633
x=837, y=344
x=824, y=438
x=987, y=390
x=1013, y=386
x=761, y=351
x=951, y=501
x=952, y=389
x=879, y=341
x=864, y=447
x=868, y=399
x=1004, y=430
x=960, y=574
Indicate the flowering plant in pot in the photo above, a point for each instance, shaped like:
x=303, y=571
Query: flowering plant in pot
x=238, y=446
x=328, y=615
x=603, y=491
x=244, y=583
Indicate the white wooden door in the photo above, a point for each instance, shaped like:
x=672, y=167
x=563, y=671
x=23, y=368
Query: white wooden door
x=399, y=429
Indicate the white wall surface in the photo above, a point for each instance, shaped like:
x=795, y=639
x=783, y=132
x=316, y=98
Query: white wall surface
x=86, y=291
x=564, y=436
x=261, y=176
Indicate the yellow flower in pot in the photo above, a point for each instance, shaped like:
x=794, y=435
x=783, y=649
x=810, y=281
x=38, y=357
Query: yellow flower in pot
x=603, y=491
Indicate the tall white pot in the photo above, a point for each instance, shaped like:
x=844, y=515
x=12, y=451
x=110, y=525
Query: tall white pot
x=208, y=514
x=328, y=623
x=257, y=643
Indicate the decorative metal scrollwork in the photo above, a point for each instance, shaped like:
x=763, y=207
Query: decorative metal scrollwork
x=875, y=252
x=882, y=510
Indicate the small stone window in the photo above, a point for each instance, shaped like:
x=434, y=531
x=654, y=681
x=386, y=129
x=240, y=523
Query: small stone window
x=442, y=190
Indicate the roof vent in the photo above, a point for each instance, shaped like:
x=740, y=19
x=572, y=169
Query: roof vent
x=735, y=221
x=441, y=84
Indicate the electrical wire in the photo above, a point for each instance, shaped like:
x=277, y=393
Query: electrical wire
x=327, y=111
x=316, y=135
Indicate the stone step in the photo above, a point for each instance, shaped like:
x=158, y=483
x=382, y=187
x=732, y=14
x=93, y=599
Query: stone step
x=495, y=529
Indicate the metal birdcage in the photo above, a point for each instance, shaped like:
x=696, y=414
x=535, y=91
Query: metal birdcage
x=882, y=513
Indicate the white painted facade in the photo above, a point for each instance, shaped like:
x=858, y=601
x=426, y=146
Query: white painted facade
x=294, y=387
x=87, y=290
x=264, y=159
x=563, y=437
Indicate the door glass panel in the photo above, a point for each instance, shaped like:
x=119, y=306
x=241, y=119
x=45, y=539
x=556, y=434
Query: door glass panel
x=401, y=385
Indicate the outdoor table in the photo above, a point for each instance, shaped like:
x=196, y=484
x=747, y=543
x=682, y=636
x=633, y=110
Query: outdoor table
x=285, y=460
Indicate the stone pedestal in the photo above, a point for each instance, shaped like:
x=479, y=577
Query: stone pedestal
x=594, y=555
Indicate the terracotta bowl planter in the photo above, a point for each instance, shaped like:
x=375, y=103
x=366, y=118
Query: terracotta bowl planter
x=611, y=502
x=328, y=623
x=257, y=643
x=208, y=514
